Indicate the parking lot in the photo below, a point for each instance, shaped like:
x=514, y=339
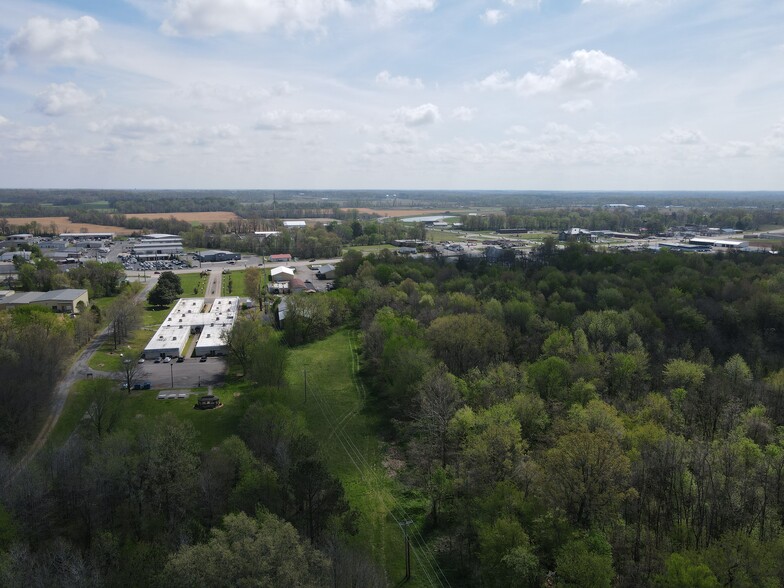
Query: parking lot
x=191, y=373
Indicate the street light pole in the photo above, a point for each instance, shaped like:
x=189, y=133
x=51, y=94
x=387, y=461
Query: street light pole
x=171, y=366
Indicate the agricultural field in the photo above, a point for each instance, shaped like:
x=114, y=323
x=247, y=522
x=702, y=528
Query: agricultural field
x=62, y=224
x=202, y=218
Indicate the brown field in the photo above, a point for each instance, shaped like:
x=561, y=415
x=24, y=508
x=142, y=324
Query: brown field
x=220, y=216
x=64, y=225
x=396, y=212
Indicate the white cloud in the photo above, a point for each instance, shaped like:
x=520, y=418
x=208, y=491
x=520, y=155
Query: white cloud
x=498, y=80
x=424, y=114
x=44, y=40
x=492, y=16
x=132, y=127
x=390, y=11
x=214, y=17
x=384, y=78
x=60, y=99
x=517, y=130
x=620, y=2
x=394, y=133
x=583, y=71
x=529, y=4
x=4, y=121
x=464, y=113
x=283, y=119
x=734, y=149
x=579, y=105
x=678, y=136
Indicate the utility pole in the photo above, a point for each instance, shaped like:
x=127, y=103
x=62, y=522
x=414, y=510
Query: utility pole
x=404, y=526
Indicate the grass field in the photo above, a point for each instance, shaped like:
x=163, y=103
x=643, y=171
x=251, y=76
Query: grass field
x=349, y=440
x=369, y=248
x=237, y=283
x=107, y=359
x=193, y=281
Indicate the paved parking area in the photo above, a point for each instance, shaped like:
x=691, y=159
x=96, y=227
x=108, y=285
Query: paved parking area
x=191, y=373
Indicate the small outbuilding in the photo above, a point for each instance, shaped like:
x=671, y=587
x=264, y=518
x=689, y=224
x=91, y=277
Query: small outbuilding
x=326, y=272
x=208, y=402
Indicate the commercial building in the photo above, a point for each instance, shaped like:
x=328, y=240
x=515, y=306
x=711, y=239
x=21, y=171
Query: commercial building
x=294, y=224
x=87, y=236
x=279, y=257
x=720, y=243
x=20, y=238
x=10, y=255
x=213, y=255
x=157, y=246
x=577, y=234
x=190, y=316
x=71, y=300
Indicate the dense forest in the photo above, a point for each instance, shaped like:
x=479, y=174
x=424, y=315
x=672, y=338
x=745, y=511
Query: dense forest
x=599, y=419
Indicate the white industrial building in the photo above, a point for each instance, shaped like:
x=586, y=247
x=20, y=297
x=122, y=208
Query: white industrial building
x=722, y=243
x=87, y=236
x=294, y=224
x=157, y=246
x=191, y=316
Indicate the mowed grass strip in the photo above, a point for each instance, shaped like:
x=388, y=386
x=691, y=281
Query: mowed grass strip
x=335, y=404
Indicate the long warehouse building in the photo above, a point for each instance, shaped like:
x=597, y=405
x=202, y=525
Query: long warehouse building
x=191, y=316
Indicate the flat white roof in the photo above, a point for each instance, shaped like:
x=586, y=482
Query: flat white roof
x=188, y=314
x=721, y=242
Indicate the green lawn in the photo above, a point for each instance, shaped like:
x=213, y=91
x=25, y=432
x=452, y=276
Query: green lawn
x=369, y=248
x=213, y=426
x=237, y=283
x=336, y=403
x=191, y=281
x=107, y=359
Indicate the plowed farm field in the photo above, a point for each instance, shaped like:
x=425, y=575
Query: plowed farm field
x=62, y=224
x=206, y=218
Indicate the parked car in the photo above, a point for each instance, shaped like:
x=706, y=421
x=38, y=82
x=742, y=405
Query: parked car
x=203, y=358
x=180, y=359
x=141, y=360
x=167, y=359
x=146, y=386
x=137, y=386
x=157, y=360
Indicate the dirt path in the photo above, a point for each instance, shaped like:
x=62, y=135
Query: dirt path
x=78, y=371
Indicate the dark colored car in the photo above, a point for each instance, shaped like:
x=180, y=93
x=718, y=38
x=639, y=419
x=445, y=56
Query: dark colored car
x=146, y=386
x=203, y=358
x=180, y=359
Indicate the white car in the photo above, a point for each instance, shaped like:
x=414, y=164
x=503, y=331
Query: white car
x=141, y=360
x=167, y=359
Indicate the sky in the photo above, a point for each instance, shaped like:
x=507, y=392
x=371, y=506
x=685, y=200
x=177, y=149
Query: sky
x=392, y=94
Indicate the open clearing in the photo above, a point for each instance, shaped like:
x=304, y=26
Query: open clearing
x=64, y=225
x=207, y=218
x=398, y=212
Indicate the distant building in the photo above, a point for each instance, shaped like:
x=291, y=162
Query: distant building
x=157, y=246
x=294, y=224
x=266, y=234
x=19, y=238
x=282, y=274
x=10, y=255
x=279, y=257
x=87, y=236
x=577, y=234
x=720, y=243
x=71, y=300
x=213, y=255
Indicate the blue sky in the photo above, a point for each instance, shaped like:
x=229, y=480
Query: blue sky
x=475, y=94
